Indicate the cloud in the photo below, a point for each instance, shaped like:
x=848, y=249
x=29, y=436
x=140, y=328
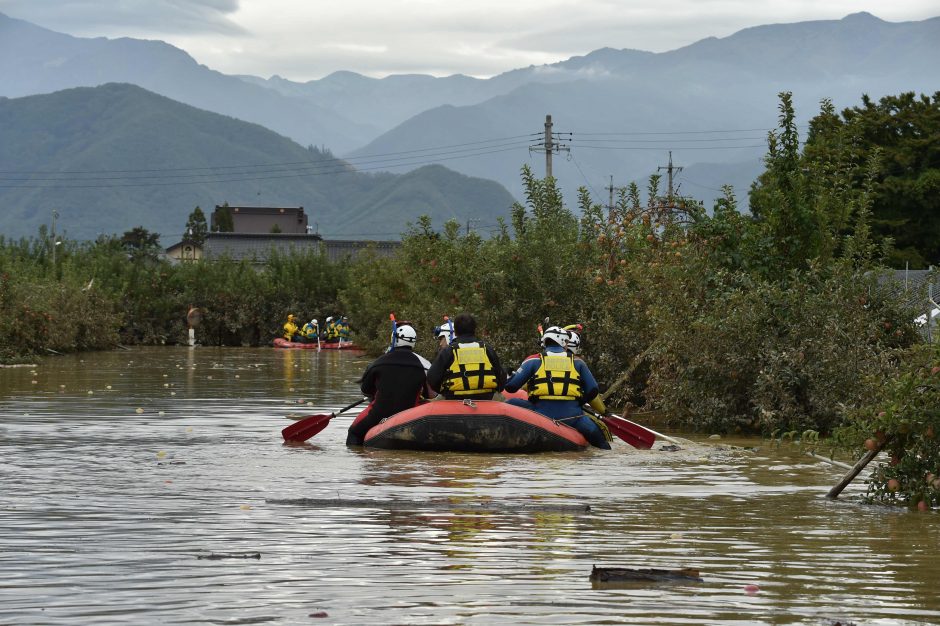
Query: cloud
x=146, y=19
x=308, y=39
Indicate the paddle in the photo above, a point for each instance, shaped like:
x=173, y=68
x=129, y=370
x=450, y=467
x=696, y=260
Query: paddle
x=450, y=328
x=650, y=430
x=310, y=426
x=391, y=341
x=634, y=434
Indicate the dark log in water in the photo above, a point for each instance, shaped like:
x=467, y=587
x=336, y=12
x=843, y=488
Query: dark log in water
x=626, y=575
x=219, y=556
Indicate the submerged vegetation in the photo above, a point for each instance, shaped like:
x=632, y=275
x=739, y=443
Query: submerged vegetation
x=774, y=321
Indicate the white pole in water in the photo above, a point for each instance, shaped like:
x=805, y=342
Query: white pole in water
x=192, y=336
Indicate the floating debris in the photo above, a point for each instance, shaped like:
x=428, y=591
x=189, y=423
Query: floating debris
x=500, y=506
x=213, y=556
x=139, y=410
x=670, y=448
x=627, y=575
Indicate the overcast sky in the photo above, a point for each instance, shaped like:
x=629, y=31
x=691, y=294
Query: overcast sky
x=308, y=39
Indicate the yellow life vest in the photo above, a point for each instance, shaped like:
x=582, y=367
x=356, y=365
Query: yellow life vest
x=331, y=331
x=556, y=379
x=471, y=372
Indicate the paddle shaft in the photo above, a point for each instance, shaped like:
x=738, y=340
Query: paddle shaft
x=391, y=342
x=659, y=435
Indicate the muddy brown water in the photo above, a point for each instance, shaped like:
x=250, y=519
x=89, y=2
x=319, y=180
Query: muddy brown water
x=121, y=472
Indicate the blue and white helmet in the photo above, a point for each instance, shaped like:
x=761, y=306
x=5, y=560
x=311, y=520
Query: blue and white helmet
x=406, y=336
x=574, y=342
x=557, y=335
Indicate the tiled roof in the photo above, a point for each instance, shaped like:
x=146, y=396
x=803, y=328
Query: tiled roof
x=338, y=249
x=913, y=285
x=239, y=246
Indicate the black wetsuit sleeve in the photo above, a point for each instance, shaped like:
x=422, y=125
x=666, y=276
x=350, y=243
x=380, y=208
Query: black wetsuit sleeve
x=368, y=382
x=439, y=367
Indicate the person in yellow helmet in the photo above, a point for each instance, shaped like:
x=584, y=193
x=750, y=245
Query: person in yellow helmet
x=290, y=329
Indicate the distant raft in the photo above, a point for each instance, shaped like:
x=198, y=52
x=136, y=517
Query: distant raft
x=280, y=342
x=473, y=426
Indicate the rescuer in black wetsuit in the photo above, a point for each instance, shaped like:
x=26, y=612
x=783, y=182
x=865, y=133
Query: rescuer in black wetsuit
x=395, y=381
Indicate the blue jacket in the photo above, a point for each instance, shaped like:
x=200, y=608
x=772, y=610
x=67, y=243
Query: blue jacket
x=555, y=408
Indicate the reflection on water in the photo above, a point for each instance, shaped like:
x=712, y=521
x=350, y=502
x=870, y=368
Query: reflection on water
x=119, y=470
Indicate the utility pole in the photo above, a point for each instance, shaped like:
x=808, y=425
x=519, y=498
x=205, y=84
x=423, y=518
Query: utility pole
x=550, y=144
x=471, y=221
x=670, y=169
x=610, y=188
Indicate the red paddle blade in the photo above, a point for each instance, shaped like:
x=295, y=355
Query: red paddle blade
x=635, y=435
x=306, y=428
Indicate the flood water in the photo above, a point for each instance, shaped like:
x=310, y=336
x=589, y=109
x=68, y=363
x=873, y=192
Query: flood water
x=121, y=471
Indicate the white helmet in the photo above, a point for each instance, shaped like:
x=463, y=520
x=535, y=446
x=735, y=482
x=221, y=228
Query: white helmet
x=574, y=342
x=406, y=336
x=329, y=319
x=556, y=334
x=442, y=331
x=313, y=322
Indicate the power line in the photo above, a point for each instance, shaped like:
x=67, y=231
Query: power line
x=577, y=165
x=659, y=148
x=161, y=183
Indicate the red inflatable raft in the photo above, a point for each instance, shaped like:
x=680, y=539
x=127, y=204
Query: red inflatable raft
x=280, y=342
x=473, y=426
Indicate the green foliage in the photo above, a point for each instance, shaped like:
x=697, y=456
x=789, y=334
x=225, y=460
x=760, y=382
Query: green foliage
x=222, y=221
x=141, y=244
x=196, y=227
x=888, y=151
x=904, y=416
x=106, y=295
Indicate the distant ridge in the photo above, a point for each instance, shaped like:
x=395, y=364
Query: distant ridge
x=605, y=98
x=113, y=157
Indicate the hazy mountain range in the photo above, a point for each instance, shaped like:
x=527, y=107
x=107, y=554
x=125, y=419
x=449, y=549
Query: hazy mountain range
x=711, y=102
x=113, y=157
